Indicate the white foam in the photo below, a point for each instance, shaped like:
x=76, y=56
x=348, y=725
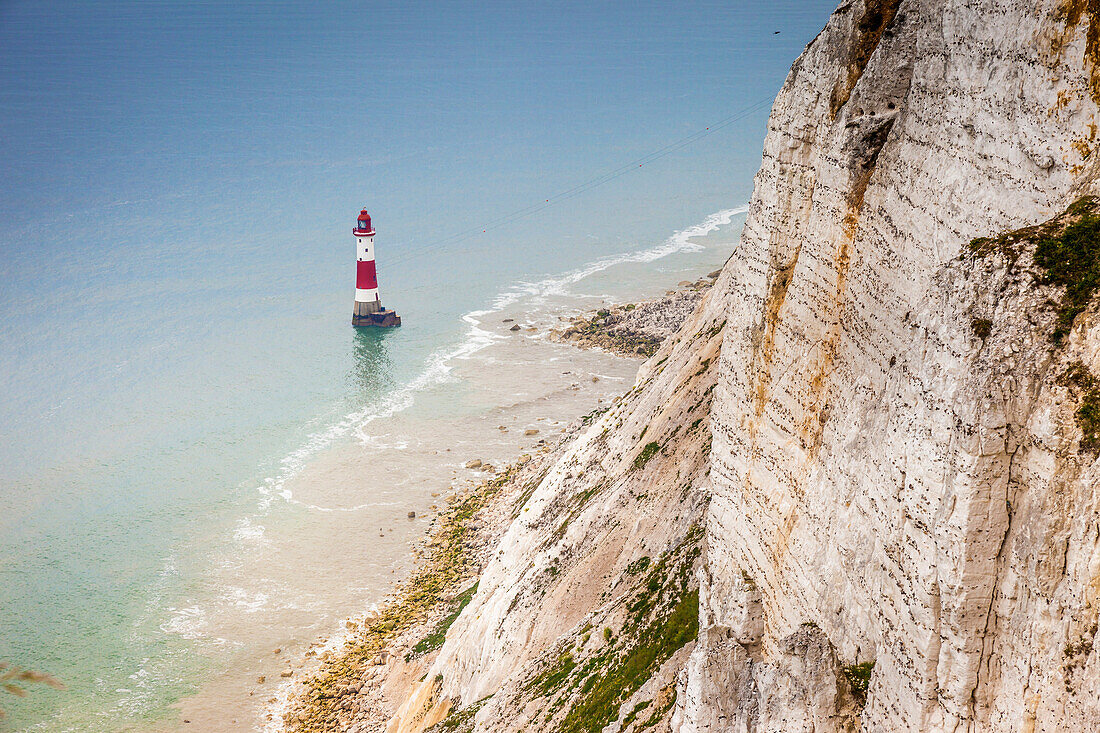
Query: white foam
x=280, y=703
x=247, y=532
x=356, y=508
x=380, y=442
x=679, y=242
x=436, y=371
x=245, y=601
x=187, y=623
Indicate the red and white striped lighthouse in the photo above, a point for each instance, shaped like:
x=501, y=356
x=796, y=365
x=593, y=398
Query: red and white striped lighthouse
x=368, y=307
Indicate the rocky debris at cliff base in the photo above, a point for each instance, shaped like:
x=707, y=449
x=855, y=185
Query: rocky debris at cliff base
x=636, y=329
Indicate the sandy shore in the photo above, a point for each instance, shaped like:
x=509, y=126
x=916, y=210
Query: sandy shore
x=343, y=539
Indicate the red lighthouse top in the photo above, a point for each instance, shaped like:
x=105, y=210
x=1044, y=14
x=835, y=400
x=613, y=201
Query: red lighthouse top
x=363, y=226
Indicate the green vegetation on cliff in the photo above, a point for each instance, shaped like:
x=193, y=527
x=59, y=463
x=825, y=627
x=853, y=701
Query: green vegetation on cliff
x=1072, y=259
x=445, y=564
x=1066, y=253
x=586, y=688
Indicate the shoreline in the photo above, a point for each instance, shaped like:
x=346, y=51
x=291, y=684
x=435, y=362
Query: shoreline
x=406, y=461
x=397, y=641
x=358, y=677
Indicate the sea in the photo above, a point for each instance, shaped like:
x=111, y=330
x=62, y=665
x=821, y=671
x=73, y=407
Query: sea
x=203, y=467
x=237, y=480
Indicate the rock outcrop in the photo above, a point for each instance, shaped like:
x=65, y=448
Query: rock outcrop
x=637, y=329
x=868, y=459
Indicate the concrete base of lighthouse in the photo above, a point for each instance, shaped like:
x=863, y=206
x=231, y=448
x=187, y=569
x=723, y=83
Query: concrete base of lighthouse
x=371, y=313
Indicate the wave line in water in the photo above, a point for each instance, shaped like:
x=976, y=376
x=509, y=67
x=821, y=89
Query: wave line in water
x=679, y=242
x=191, y=619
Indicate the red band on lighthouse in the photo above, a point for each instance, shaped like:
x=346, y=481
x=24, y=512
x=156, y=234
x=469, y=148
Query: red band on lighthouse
x=366, y=276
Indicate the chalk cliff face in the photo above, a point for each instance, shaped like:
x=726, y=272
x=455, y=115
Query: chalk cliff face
x=860, y=459
x=880, y=470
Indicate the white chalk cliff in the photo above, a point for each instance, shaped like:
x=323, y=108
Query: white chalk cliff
x=858, y=452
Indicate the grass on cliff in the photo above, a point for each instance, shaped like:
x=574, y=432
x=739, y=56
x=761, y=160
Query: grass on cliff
x=1067, y=253
x=602, y=694
x=1072, y=260
x=1087, y=388
x=462, y=720
x=859, y=678
x=646, y=453
x=435, y=640
x=585, y=693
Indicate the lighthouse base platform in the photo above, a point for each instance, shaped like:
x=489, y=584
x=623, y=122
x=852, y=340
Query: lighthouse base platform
x=384, y=318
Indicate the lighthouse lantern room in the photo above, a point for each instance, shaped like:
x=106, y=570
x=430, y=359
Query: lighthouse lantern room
x=368, y=306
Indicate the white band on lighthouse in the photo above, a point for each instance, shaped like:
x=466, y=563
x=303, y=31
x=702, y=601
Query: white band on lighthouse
x=365, y=250
x=366, y=296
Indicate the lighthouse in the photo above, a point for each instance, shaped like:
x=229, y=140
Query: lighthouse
x=368, y=307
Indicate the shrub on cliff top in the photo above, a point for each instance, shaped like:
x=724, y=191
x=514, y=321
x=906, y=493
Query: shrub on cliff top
x=1067, y=253
x=1072, y=260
